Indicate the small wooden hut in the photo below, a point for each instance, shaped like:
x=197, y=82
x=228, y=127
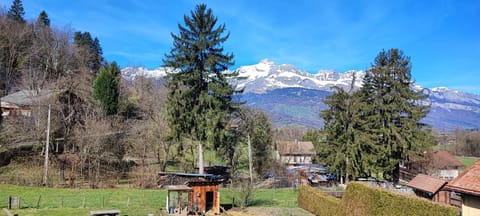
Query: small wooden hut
x=198, y=195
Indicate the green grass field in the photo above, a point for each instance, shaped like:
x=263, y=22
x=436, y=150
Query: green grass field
x=55, y=201
x=468, y=161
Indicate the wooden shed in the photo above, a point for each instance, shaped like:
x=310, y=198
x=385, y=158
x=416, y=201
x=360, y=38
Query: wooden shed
x=204, y=196
x=430, y=188
x=198, y=195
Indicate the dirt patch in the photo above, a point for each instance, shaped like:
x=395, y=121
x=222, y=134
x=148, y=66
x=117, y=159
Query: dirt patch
x=268, y=211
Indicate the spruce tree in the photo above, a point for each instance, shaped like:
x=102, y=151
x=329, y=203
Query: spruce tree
x=398, y=111
x=106, y=88
x=343, y=150
x=261, y=143
x=199, y=101
x=16, y=11
x=43, y=19
x=92, y=48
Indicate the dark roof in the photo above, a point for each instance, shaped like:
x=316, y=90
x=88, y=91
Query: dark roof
x=468, y=182
x=426, y=183
x=295, y=147
x=28, y=97
x=194, y=175
x=443, y=159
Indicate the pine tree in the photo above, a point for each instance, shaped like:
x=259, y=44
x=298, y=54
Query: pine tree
x=106, y=88
x=261, y=140
x=200, y=96
x=16, y=11
x=398, y=110
x=343, y=150
x=96, y=59
x=93, y=50
x=43, y=19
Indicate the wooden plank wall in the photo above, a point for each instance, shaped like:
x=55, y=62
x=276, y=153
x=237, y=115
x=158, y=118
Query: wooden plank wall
x=198, y=197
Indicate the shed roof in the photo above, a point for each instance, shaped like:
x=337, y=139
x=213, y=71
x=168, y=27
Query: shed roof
x=443, y=159
x=27, y=97
x=426, y=183
x=468, y=182
x=178, y=188
x=295, y=147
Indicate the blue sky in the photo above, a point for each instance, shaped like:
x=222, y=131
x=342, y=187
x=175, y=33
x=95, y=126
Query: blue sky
x=441, y=37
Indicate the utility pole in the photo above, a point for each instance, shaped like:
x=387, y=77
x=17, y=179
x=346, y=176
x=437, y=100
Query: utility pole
x=200, y=158
x=45, y=176
x=250, y=165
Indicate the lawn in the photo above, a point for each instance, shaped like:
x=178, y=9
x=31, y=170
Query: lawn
x=57, y=201
x=467, y=161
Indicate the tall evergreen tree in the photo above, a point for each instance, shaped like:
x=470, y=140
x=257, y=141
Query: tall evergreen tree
x=261, y=140
x=16, y=11
x=343, y=150
x=96, y=59
x=106, y=88
x=93, y=50
x=398, y=110
x=43, y=19
x=200, y=95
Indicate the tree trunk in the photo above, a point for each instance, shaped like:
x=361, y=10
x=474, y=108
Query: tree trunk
x=396, y=173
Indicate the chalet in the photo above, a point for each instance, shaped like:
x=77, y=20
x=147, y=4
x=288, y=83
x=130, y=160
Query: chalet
x=197, y=195
x=444, y=165
x=294, y=153
x=467, y=184
x=430, y=187
x=20, y=103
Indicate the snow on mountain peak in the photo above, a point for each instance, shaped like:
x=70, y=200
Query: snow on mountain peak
x=130, y=73
x=266, y=76
x=440, y=89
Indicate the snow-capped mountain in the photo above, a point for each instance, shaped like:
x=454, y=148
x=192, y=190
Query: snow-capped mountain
x=130, y=73
x=292, y=96
x=266, y=76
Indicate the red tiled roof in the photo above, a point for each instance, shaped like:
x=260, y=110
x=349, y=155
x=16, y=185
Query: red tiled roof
x=443, y=159
x=468, y=181
x=426, y=183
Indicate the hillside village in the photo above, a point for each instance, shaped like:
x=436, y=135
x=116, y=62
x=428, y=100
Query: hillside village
x=198, y=138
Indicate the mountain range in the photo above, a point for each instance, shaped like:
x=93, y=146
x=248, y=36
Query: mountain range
x=291, y=96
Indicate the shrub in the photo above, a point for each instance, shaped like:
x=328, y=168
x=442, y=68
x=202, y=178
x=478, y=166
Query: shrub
x=317, y=202
x=360, y=199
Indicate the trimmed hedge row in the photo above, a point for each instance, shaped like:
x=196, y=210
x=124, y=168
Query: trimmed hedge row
x=317, y=202
x=362, y=200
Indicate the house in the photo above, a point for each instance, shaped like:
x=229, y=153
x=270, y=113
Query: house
x=444, y=165
x=294, y=153
x=21, y=102
x=197, y=195
x=467, y=184
x=430, y=187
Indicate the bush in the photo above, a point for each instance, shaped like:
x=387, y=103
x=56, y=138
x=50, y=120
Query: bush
x=360, y=199
x=317, y=202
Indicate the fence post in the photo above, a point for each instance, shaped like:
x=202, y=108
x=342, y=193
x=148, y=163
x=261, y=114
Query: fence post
x=83, y=204
x=38, y=201
x=103, y=201
x=128, y=201
x=62, y=201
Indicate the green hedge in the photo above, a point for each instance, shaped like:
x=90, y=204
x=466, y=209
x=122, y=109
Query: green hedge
x=317, y=202
x=360, y=199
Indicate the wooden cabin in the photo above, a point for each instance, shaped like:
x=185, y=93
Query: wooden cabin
x=294, y=153
x=430, y=187
x=198, y=195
